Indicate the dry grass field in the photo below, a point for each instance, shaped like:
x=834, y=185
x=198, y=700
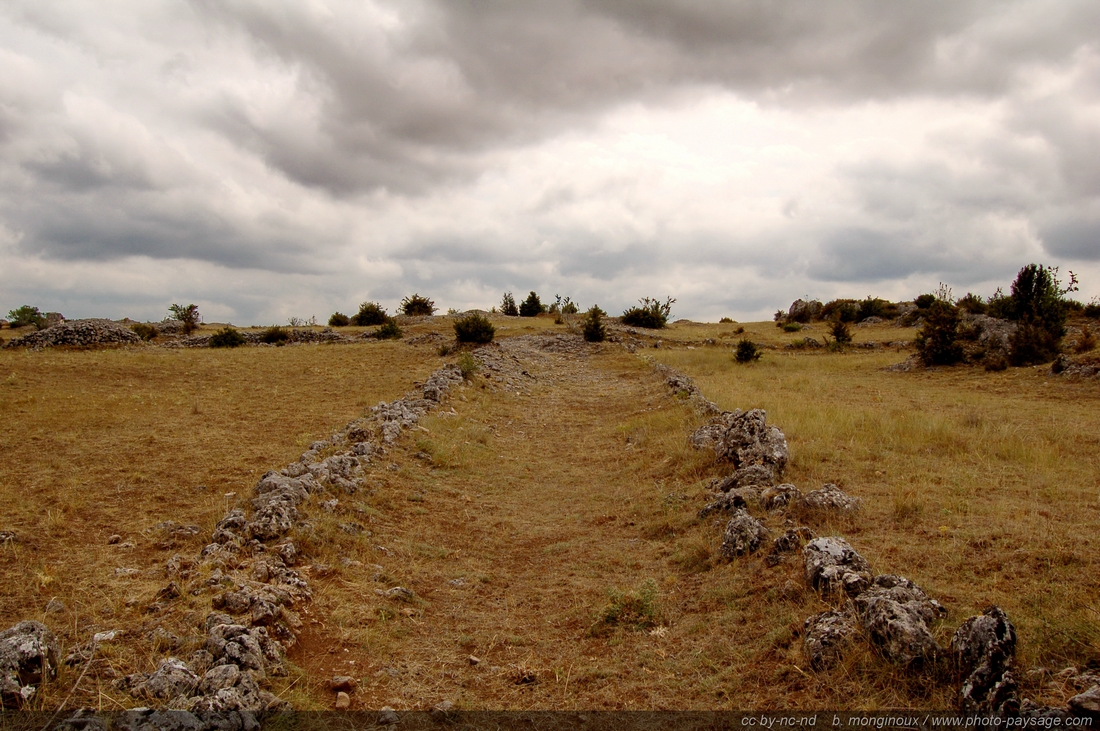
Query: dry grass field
x=548, y=530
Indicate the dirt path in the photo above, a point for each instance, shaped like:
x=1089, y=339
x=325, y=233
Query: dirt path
x=536, y=511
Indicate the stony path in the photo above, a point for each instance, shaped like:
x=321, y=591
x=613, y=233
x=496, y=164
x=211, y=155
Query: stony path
x=531, y=537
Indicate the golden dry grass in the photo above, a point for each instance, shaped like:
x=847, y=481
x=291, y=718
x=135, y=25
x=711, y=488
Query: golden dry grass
x=552, y=533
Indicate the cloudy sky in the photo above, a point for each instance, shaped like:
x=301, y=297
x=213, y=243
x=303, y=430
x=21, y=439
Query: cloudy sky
x=269, y=159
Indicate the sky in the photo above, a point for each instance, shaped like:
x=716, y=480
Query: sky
x=269, y=160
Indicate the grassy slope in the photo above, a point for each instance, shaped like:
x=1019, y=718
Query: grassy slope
x=556, y=510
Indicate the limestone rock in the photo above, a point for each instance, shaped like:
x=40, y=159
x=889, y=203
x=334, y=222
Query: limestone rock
x=830, y=497
x=744, y=439
x=85, y=333
x=744, y=534
x=779, y=496
x=170, y=681
x=28, y=655
x=792, y=539
x=895, y=612
x=826, y=637
x=984, y=647
x=832, y=567
x=1087, y=703
x=741, y=497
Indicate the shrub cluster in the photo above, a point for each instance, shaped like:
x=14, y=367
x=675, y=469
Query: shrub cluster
x=227, y=337
x=474, y=328
x=417, y=305
x=369, y=314
x=592, y=327
x=339, y=319
x=275, y=335
x=531, y=306
x=144, y=330
x=747, y=351
x=188, y=315
x=649, y=313
x=26, y=315
x=388, y=331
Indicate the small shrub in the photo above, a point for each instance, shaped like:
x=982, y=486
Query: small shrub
x=531, y=306
x=468, y=365
x=1087, y=341
x=937, y=341
x=634, y=610
x=1039, y=308
x=26, y=315
x=973, y=303
x=739, y=331
x=649, y=313
x=370, y=313
x=444, y=350
x=999, y=306
x=339, y=319
x=417, y=305
x=1092, y=309
x=508, y=305
x=227, y=337
x=275, y=335
x=144, y=330
x=593, y=328
x=188, y=315
x=792, y=327
x=474, y=328
x=747, y=351
x=876, y=307
x=995, y=362
x=845, y=309
x=842, y=334
x=725, y=320
x=924, y=301
x=388, y=331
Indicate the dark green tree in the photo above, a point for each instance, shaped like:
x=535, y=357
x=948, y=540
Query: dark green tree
x=531, y=306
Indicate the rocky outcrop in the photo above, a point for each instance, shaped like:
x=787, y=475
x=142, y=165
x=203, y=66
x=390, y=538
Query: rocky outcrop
x=896, y=614
x=682, y=385
x=779, y=496
x=804, y=310
x=830, y=498
x=744, y=534
x=753, y=475
x=28, y=656
x=833, y=568
x=744, y=438
x=984, y=648
x=83, y=333
x=741, y=497
x=827, y=636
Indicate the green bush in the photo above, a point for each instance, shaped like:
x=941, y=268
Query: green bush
x=468, y=365
x=339, y=319
x=531, y=306
x=188, y=315
x=417, y=305
x=26, y=315
x=275, y=335
x=592, y=327
x=144, y=330
x=924, y=301
x=973, y=303
x=388, y=331
x=370, y=313
x=842, y=334
x=649, y=313
x=747, y=351
x=1039, y=308
x=725, y=320
x=1092, y=309
x=227, y=337
x=844, y=309
x=508, y=305
x=875, y=307
x=999, y=305
x=474, y=328
x=791, y=327
x=938, y=339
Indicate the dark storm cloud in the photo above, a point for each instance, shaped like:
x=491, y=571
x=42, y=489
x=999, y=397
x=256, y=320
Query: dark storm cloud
x=315, y=137
x=401, y=108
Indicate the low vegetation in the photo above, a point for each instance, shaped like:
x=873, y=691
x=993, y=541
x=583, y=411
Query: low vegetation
x=227, y=337
x=417, y=305
x=474, y=328
x=188, y=315
x=649, y=313
x=370, y=314
x=26, y=315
